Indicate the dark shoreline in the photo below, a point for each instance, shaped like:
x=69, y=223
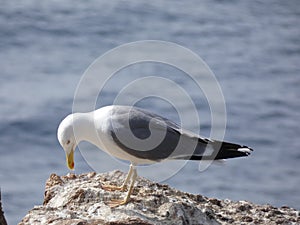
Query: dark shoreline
x=2, y=218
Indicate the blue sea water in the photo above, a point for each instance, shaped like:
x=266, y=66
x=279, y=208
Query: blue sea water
x=253, y=48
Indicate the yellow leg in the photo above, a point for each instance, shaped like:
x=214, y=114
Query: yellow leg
x=116, y=202
x=123, y=186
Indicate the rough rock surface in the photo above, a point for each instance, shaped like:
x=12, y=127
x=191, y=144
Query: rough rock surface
x=80, y=200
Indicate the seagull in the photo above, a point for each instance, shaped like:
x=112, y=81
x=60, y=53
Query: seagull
x=140, y=137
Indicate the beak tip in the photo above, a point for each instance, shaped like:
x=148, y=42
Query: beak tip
x=71, y=166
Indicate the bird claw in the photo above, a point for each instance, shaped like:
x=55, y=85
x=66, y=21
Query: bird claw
x=113, y=188
x=117, y=202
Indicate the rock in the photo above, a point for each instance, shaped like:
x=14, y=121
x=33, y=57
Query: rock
x=80, y=200
x=2, y=218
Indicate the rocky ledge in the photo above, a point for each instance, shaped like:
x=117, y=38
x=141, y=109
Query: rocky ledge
x=80, y=200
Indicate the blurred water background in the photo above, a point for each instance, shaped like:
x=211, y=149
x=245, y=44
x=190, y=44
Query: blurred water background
x=253, y=47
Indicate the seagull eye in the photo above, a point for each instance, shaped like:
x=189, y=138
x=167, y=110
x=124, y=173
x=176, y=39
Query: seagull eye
x=68, y=142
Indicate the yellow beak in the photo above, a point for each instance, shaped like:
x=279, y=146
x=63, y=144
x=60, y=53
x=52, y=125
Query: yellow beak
x=70, y=160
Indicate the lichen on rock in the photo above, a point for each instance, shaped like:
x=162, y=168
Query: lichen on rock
x=79, y=199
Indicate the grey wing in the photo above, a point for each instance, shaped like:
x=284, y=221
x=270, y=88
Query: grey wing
x=175, y=142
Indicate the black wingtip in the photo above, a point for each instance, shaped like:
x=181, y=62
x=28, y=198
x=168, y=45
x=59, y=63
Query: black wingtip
x=245, y=149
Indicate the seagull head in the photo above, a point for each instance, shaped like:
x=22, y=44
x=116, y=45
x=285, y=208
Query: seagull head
x=66, y=138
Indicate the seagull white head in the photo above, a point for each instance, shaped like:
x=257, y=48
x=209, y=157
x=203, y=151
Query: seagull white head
x=66, y=138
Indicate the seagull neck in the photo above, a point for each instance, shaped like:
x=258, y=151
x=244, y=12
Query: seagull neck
x=84, y=128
